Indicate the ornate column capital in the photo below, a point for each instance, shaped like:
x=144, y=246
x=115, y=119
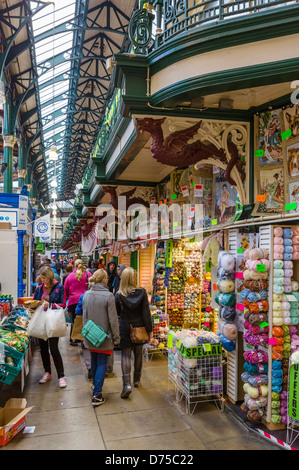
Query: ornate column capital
x=9, y=141
x=22, y=173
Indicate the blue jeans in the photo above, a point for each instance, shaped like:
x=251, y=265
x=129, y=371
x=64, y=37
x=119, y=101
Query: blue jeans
x=98, y=370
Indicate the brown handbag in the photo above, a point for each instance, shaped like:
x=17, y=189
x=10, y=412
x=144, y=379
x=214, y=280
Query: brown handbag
x=138, y=334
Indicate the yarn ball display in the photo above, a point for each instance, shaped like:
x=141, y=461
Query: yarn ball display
x=255, y=340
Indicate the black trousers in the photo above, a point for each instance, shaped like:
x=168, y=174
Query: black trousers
x=51, y=345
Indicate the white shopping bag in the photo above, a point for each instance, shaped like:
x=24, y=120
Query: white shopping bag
x=55, y=323
x=37, y=324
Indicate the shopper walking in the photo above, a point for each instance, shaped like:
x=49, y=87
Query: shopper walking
x=75, y=285
x=111, y=271
x=69, y=269
x=116, y=281
x=50, y=292
x=99, y=306
x=133, y=308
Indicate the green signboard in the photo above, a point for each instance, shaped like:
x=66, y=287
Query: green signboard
x=294, y=392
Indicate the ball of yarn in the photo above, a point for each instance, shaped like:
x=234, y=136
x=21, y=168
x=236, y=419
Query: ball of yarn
x=228, y=314
x=229, y=330
x=226, y=261
x=255, y=285
x=222, y=274
x=256, y=307
x=278, y=231
x=287, y=233
x=227, y=344
x=226, y=286
x=225, y=300
x=255, y=392
x=295, y=285
x=255, y=357
x=278, y=264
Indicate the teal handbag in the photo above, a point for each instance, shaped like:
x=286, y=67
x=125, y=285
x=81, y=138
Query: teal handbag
x=92, y=332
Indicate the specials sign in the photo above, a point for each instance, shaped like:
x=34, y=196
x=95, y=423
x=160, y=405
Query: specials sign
x=294, y=392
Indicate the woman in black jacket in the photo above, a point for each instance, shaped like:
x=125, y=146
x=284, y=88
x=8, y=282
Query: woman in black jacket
x=133, y=308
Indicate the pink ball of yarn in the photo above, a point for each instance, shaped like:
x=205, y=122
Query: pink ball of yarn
x=278, y=248
x=295, y=239
x=278, y=241
x=278, y=232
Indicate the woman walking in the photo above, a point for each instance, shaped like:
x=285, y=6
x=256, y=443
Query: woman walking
x=50, y=292
x=75, y=285
x=133, y=308
x=99, y=306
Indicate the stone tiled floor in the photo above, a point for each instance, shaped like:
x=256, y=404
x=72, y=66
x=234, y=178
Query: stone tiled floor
x=150, y=419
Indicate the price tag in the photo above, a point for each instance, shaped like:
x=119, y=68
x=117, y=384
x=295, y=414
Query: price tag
x=170, y=341
x=198, y=190
x=259, y=153
x=174, y=196
x=261, y=268
x=261, y=198
x=286, y=134
x=291, y=298
x=291, y=206
x=239, y=275
x=262, y=325
x=185, y=191
x=214, y=221
x=240, y=250
x=272, y=341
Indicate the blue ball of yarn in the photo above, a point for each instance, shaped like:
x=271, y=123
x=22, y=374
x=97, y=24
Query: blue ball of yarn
x=227, y=344
x=276, y=365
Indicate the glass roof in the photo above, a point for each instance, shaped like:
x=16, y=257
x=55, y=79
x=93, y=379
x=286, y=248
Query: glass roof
x=53, y=81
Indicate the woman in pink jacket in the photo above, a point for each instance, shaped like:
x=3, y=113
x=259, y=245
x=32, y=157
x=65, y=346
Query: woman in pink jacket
x=75, y=285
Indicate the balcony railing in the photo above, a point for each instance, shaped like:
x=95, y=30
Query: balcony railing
x=175, y=17
x=181, y=16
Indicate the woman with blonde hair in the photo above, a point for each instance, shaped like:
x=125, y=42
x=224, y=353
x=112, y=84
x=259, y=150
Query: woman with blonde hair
x=133, y=308
x=50, y=292
x=75, y=285
x=99, y=306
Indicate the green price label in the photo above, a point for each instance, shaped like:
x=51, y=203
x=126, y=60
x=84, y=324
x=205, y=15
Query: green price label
x=262, y=325
x=286, y=134
x=259, y=153
x=291, y=206
x=174, y=196
x=214, y=222
x=240, y=250
x=261, y=268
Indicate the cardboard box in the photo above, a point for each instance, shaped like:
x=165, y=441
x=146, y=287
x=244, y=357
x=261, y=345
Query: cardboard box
x=12, y=419
x=5, y=226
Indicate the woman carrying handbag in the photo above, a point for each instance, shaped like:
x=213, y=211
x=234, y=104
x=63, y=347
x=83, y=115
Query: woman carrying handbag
x=134, y=319
x=50, y=292
x=99, y=307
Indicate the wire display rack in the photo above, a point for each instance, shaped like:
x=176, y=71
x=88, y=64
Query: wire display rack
x=197, y=379
x=158, y=341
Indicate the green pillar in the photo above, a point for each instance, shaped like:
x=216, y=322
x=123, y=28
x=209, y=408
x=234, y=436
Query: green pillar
x=22, y=160
x=9, y=141
x=134, y=260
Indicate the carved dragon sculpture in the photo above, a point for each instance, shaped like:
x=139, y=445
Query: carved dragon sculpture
x=175, y=150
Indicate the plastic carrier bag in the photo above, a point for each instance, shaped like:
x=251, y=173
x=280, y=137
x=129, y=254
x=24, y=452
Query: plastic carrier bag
x=55, y=323
x=37, y=324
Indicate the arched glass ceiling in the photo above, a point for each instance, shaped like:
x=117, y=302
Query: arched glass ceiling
x=54, y=83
